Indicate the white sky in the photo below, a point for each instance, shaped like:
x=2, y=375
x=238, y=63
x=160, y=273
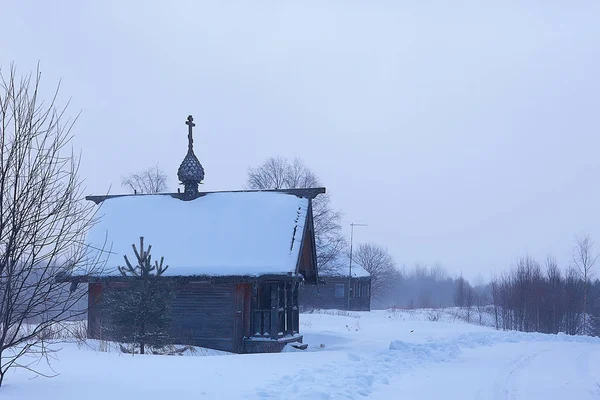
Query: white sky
x=465, y=133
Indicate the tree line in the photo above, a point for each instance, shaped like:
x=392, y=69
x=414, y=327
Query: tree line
x=536, y=298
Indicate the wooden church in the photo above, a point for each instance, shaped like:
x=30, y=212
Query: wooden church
x=236, y=258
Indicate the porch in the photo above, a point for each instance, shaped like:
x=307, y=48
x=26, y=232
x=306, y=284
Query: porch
x=275, y=317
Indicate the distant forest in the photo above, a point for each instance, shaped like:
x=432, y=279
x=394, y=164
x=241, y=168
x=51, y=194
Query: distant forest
x=421, y=286
x=530, y=297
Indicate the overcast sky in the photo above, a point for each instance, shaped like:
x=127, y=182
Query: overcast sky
x=465, y=133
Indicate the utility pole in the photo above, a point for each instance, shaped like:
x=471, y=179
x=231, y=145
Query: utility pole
x=352, y=225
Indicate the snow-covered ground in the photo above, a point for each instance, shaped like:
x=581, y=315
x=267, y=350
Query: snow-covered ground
x=424, y=354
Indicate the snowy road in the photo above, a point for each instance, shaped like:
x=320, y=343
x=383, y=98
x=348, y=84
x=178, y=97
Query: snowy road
x=428, y=360
x=492, y=365
x=537, y=370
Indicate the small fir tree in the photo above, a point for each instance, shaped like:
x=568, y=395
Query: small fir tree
x=139, y=312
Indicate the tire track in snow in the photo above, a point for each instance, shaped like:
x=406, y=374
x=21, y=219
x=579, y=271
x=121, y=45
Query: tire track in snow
x=583, y=363
x=505, y=386
x=583, y=370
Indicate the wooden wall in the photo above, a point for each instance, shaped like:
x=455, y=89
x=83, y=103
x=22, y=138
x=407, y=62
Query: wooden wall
x=323, y=296
x=94, y=315
x=212, y=315
x=204, y=315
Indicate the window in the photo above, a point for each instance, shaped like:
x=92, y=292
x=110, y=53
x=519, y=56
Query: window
x=339, y=290
x=264, y=297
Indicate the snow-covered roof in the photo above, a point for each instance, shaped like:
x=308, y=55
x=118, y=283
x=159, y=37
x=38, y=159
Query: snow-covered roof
x=357, y=271
x=218, y=234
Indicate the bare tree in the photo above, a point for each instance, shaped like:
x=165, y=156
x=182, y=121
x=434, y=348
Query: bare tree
x=595, y=321
x=573, y=302
x=584, y=260
x=460, y=292
x=496, y=301
x=464, y=296
x=152, y=180
x=526, y=299
x=437, y=272
x=469, y=300
x=279, y=173
x=481, y=301
x=43, y=222
x=379, y=264
x=425, y=299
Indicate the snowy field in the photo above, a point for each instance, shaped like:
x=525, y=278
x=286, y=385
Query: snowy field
x=423, y=354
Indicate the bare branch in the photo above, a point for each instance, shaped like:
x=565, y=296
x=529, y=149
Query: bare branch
x=152, y=180
x=43, y=221
x=279, y=173
x=379, y=264
x=584, y=260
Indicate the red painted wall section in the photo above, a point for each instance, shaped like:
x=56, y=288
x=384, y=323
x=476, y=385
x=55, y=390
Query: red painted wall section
x=94, y=322
x=308, y=268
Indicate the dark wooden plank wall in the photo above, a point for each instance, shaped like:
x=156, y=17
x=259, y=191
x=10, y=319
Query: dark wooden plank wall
x=94, y=314
x=204, y=315
x=217, y=316
x=323, y=296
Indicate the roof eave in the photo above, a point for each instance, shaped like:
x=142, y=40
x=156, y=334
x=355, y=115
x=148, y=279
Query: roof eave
x=207, y=278
x=309, y=193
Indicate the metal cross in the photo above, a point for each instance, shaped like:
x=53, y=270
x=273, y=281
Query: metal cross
x=190, y=123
